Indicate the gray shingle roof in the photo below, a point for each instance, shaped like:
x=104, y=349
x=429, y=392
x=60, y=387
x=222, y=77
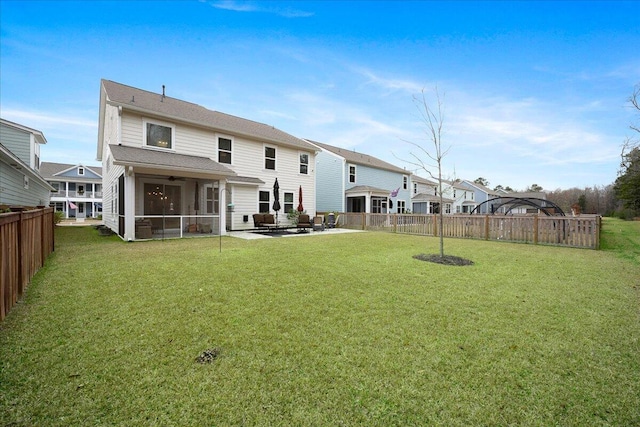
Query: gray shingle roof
x=359, y=158
x=175, y=109
x=49, y=169
x=366, y=188
x=144, y=157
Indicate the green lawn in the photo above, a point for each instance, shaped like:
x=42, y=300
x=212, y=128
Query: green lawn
x=322, y=331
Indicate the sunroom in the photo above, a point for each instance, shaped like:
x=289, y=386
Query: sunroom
x=162, y=195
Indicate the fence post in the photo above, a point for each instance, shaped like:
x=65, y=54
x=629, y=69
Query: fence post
x=364, y=220
x=395, y=222
x=435, y=225
x=486, y=227
x=598, y=224
x=535, y=230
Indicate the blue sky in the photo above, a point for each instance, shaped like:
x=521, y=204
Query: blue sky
x=533, y=92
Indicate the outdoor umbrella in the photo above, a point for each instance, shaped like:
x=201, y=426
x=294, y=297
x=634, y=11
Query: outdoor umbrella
x=300, y=207
x=276, y=198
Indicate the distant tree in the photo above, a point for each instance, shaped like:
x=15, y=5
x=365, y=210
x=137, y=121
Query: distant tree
x=627, y=185
x=482, y=181
x=535, y=188
x=582, y=202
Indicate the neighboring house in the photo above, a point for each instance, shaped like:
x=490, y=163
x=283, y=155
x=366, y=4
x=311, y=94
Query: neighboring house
x=21, y=184
x=348, y=181
x=455, y=197
x=481, y=194
x=170, y=165
x=530, y=204
x=77, y=189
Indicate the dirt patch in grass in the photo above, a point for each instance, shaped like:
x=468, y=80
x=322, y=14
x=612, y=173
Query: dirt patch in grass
x=445, y=260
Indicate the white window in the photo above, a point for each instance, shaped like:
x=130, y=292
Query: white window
x=56, y=186
x=263, y=202
x=288, y=202
x=405, y=182
x=212, y=199
x=447, y=208
x=415, y=188
x=270, y=158
x=158, y=135
x=304, y=163
x=81, y=171
x=224, y=150
x=401, y=206
x=352, y=173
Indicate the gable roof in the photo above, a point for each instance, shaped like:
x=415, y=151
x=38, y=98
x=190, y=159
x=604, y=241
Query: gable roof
x=480, y=187
x=359, y=158
x=142, y=101
x=39, y=136
x=50, y=170
x=143, y=157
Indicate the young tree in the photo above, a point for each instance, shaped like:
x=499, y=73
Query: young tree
x=627, y=185
x=429, y=156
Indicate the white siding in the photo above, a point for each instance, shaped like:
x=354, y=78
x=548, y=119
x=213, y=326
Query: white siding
x=17, y=141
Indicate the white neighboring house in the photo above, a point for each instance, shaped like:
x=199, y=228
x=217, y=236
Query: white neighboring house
x=482, y=194
x=456, y=198
x=170, y=165
x=21, y=184
x=77, y=189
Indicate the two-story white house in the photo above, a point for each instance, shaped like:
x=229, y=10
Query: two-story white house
x=349, y=181
x=77, y=189
x=21, y=184
x=173, y=168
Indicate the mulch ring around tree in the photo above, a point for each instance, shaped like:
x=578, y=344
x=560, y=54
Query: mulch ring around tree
x=445, y=260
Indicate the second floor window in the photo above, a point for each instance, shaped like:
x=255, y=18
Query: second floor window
x=224, y=150
x=81, y=171
x=352, y=173
x=159, y=136
x=270, y=158
x=405, y=182
x=304, y=163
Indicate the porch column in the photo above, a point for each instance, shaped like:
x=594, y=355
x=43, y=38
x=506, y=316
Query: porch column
x=129, y=204
x=222, y=209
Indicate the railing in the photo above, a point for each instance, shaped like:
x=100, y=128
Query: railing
x=26, y=240
x=85, y=194
x=175, y=226
x=581, y=231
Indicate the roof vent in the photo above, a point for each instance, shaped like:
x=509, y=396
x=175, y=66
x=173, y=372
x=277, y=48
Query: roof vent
x=133, y=98
x=162, y=92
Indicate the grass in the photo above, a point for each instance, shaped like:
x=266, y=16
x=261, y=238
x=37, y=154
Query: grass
x=330, y=330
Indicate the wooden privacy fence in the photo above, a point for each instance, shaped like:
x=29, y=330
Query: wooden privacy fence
x=26, y=240
x=581, y=232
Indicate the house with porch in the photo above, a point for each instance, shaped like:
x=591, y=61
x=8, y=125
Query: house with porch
x=21, y=184
x=173, y=168
x=426, y=200
x=77, y=189
x=349, y=181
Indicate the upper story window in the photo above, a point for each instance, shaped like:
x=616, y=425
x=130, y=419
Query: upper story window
x=56, y=186
x=415, y=188
x=405, y=182
x=159, y=136
x=304, y=163
x=224, y=150
x=270, y=158
x=80, y=171
x=454, y=193
x=352, y=173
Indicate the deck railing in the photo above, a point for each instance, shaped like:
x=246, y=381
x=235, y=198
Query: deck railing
x=581, y=231
x=26, y=240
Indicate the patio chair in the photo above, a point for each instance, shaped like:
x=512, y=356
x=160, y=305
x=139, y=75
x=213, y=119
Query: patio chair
x=318, y=223
x=304, y=222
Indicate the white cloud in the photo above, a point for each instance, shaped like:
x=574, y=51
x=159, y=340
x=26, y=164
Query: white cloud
x=250, y=6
